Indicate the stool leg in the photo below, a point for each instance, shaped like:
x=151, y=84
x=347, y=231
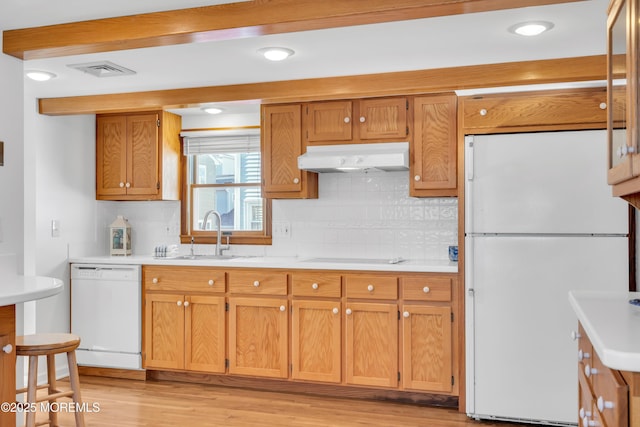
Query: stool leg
x=32, y=388
x=51, y=376
x=74, y=379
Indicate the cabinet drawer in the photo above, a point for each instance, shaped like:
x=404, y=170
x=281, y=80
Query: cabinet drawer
x=258, y=282
x=372, y=287
x=183, y=279
x=610, y=393
x=426, y=288
x=315, y=285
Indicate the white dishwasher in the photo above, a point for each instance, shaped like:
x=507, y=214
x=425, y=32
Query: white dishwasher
x=106, y=314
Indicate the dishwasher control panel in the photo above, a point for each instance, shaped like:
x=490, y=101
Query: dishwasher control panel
x=105, y=272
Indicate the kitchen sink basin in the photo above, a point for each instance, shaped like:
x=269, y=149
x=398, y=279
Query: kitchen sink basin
x=199, y=257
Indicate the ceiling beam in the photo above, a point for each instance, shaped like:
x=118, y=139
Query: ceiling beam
x=231, y=21
x=579, y=69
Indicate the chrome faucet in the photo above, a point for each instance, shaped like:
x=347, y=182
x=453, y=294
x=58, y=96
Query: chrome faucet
x=219, y=247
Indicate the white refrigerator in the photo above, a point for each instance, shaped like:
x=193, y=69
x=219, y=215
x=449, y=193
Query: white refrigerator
x=540, y=221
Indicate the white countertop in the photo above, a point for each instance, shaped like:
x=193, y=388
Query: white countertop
x=419, y=266
x=17, y=289
x=612, y=325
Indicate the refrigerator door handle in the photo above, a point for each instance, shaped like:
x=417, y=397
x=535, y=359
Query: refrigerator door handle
x=468, y=163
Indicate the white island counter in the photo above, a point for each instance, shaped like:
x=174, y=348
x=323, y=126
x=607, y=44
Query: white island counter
x=613, y=326
x=16, y=289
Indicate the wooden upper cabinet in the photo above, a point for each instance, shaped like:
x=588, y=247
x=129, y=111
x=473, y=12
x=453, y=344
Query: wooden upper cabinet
x=329, y=121
x=138, y=156
x=433, y=163
x=356, y=121
x=383, y=118
x=281, y=134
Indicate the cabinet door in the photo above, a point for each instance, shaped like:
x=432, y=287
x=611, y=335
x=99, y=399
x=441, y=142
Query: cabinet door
x=7, y=362
x=143, y=163
x=372, y=344
x=316, y=341
x=433, y=160
x=258, y=341
x=426, y=348
x=329, y=121
x=164, y=331
x=205, y=333
x=383, y=118
x=281, y=145
x=111, y=155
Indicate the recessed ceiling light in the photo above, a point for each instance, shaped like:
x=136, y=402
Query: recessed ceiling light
x=39, y=76
x=276, y=53
x=212, y=110
x=532, y=28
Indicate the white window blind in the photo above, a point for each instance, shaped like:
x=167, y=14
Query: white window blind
x=221, y=144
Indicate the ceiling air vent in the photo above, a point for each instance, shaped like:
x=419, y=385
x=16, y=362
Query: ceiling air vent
x=103, y=69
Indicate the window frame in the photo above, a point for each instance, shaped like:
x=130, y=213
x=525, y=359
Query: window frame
x=187, y=234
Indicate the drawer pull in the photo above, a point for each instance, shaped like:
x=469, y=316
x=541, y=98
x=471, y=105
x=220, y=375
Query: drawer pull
x=7, y=348
x=406, y=314
x=586, y=422
x=179, y=303
x=154, y=280
x=348, y=312
x=335, y=310
x=370, y=288
x=588, y=371
x=583, y=355
x=575, y=335
x=426, y=290
x=604, y=404
x=584, y=413
x=314, y=286
x=256, y=283
x=186, y=303
x=283, y=308
x=211, y=282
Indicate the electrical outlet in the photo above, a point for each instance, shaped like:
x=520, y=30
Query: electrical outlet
x=55, y=228
x=281, y=229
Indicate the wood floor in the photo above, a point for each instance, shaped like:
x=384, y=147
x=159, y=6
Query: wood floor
x=129, y=403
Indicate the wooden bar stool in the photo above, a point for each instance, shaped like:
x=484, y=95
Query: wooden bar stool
x=49, y=345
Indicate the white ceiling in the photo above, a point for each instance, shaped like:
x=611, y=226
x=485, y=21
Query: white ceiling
x=459, y=40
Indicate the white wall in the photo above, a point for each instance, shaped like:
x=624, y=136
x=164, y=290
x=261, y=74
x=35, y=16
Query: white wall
x=11, y=174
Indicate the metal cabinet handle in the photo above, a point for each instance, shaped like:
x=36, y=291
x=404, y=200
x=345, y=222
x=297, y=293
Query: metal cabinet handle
x=128, y=185
x=370, y=288
x=256, y=283
x=154, y=280
x=347, y=119
x=416, y=178
x=283, y=308
x=426, y=290
x=335, y=310
x=179, y=303
x=406, y=314
x=314, y=286
x=362, y=119
x=186, y=303
x=211, y=282
x=7, y=348
x=348, y=311
x=122, y=185
x=296, y=180
x=575, y=335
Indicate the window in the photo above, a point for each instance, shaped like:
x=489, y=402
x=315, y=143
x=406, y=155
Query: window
x=223, y=173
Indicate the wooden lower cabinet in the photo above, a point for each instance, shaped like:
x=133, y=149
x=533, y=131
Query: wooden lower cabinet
x=185, y=332
x=316, y=340
x=377, y=330
x=372, y=344
x=426, y=348
x=7, y=362
x=258, y=336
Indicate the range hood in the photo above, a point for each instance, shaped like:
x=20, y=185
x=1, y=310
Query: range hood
x=391, y=156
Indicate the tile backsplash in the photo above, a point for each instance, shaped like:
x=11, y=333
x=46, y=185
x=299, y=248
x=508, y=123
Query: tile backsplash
x=357, y=215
